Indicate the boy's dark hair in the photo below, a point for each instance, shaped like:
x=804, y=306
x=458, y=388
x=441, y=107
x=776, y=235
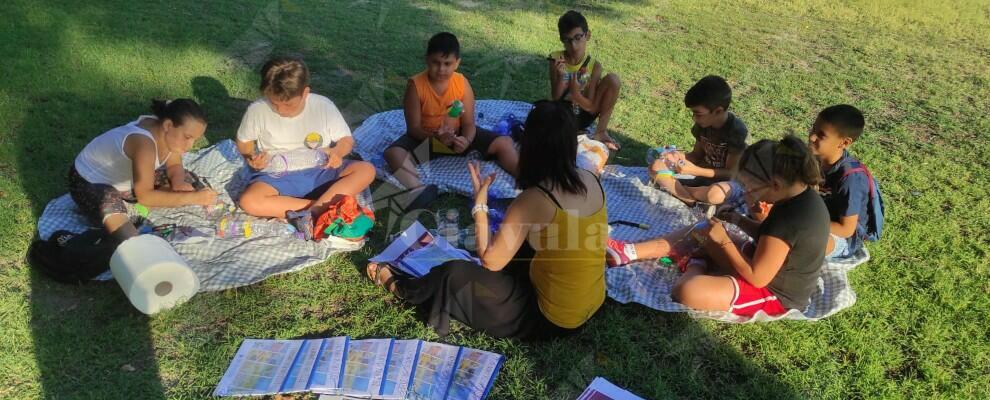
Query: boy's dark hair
x=178, y=111
x=444, y=43
x=548, y=149
x=570, y=20
x=284, y=78
x=711, y=91
x=788, y=159
x=846, y=119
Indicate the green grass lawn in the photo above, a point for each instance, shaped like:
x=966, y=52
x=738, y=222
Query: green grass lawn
x=918, y=69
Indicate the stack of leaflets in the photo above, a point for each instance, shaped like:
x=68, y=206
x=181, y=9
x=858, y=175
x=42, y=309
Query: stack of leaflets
x=370, y=368
x=416, y=251
x=601, y=389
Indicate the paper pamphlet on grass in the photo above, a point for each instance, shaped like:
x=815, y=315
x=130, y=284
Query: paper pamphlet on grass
x=434, y=371
x=298, y=378
x=416, y=251
x=400, y=366
x=364, y=370
x=329, y=370
x=475, y=373
x=258, y=368
x=601, y=389
x=369, y=368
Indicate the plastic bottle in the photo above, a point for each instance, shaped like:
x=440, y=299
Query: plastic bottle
x=448, y=226
x=295, y=160
x=453, y=115
x=233, y=226
x=505, y=125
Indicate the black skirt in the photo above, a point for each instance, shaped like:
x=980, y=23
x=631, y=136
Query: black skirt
x=501, y=304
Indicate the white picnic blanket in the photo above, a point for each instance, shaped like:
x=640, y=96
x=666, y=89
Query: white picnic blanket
x=450, y=174
x=650, y=283
x=220, y=263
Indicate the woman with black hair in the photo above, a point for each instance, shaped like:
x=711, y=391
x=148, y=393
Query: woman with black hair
x=543, y=273
x=139, y=162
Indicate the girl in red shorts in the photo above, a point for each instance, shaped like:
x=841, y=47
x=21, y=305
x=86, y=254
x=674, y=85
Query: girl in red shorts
x=780, y=269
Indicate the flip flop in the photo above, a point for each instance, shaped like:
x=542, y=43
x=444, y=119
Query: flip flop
x=373, y=271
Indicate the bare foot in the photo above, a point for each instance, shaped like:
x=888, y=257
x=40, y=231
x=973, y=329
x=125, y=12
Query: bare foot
x=609, y=142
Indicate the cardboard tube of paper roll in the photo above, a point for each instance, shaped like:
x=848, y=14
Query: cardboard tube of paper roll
x=153, y=276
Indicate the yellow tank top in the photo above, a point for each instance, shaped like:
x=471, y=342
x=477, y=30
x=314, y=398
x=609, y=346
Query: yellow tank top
x=568, y=269
x=572, y=71
x=433, y=107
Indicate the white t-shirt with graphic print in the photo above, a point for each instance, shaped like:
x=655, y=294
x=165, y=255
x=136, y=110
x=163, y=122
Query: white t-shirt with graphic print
x=319, y=125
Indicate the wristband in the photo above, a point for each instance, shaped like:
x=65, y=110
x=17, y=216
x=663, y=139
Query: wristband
x=479, y=208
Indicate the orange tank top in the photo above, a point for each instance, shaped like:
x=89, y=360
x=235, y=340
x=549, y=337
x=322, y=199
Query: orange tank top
x=433, y=107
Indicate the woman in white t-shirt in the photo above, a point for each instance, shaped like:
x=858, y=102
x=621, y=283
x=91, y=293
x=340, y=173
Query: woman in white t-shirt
x=140, y=162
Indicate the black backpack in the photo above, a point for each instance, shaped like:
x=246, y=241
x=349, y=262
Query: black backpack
x=72, y=258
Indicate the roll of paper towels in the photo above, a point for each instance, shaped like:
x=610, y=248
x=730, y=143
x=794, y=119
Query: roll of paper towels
x=154, y=277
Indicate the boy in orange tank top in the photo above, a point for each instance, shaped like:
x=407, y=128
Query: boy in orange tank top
x=431, y=131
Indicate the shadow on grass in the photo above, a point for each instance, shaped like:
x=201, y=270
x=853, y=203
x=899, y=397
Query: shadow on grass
x=90, y=343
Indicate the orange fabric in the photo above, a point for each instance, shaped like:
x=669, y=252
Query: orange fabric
x=433, y=107
x=346, y=208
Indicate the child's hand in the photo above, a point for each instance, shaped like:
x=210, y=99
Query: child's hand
x=686, y=167
x=717, y=233
x=258, y=161
x=205, y=197
x=657, y=165
x=459, y=144
x=333, y=160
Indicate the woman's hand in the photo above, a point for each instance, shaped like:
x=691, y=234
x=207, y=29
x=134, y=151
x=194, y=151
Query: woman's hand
x=480, y=183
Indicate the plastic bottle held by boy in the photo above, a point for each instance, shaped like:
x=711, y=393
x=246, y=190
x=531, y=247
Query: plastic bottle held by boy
x=295, y=160
x=453, y=116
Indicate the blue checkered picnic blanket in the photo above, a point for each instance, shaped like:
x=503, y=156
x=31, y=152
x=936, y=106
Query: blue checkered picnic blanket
x=649, y=282
x=450, y=174
x=219, y=263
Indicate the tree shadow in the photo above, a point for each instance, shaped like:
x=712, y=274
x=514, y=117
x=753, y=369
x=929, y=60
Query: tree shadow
x=223, y=111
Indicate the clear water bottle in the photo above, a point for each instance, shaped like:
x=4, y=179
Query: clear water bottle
x=448, y=226
x=233, y=226
x=295, y=160
x=453, y=115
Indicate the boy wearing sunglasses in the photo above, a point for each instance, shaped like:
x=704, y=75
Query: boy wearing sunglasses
x=577, y=77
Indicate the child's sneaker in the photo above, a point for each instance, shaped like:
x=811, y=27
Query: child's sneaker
x=618, y=252
x=302, y=221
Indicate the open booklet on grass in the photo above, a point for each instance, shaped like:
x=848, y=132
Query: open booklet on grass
x=601, y=389
x=416, y=251
x=370, y=368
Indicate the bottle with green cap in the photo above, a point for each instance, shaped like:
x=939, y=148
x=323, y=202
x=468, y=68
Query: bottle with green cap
x=453, y=115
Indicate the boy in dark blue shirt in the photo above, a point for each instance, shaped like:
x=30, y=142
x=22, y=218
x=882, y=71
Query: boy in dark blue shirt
x=846, y=193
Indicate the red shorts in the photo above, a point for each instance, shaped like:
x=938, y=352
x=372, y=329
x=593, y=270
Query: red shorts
x=749, y=299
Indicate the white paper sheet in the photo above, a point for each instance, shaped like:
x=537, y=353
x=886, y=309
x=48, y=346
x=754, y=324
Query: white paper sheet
x=601, y=389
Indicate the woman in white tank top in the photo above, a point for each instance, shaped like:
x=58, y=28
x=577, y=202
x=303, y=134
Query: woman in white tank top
x=140, y=161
